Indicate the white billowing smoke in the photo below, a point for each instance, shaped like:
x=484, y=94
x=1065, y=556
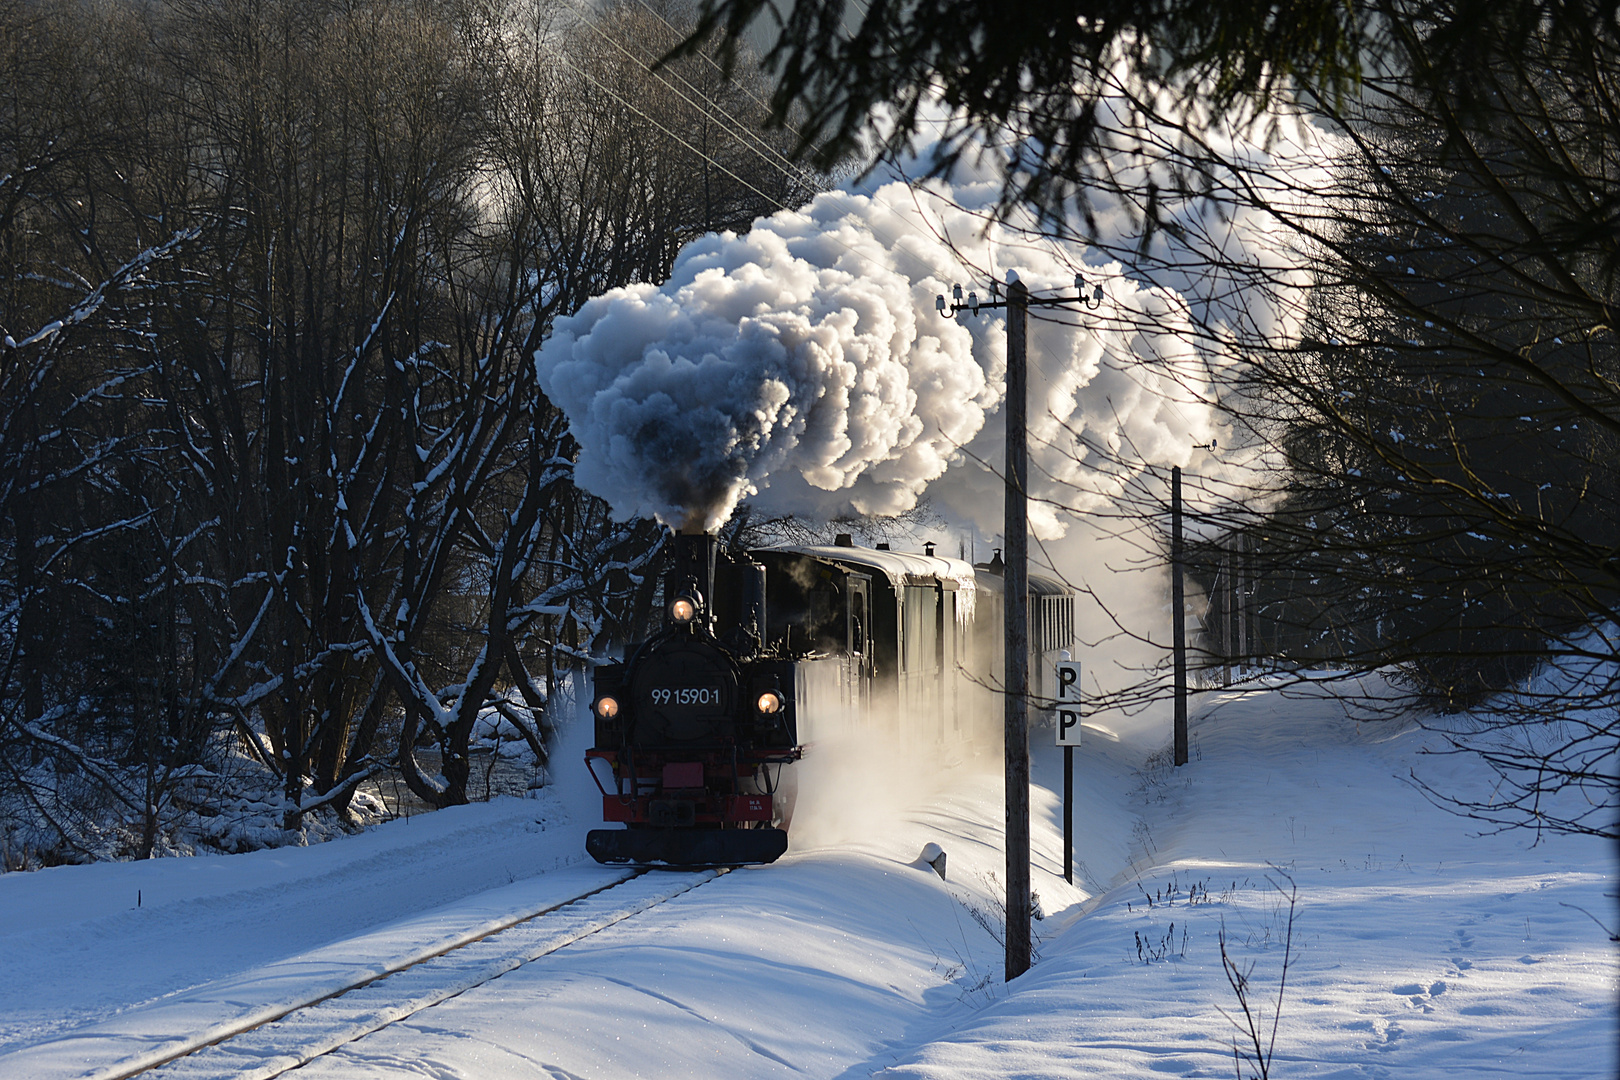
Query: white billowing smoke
x=803, y=366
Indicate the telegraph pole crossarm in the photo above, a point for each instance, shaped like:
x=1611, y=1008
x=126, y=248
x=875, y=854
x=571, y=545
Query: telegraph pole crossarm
x=973, y=305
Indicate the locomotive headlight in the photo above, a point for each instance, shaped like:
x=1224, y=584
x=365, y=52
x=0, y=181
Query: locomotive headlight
x=607, y=707
x=769, y=703
x=683, y=609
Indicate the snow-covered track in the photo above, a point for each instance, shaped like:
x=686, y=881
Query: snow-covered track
x=271, y=1046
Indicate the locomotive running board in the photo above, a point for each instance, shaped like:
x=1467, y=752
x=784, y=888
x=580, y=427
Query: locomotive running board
x=686, y=847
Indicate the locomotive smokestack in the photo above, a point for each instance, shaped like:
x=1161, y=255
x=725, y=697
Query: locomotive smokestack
x=692, y=563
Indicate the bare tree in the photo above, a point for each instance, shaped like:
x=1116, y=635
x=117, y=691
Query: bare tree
x=281, y=489
x=1444, y=424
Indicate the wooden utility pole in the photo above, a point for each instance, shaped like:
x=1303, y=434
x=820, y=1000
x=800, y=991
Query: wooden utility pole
x=1015, y=526
x=1226, y=617
x=1015, y=585
x=1242, y=591
x=1178, y=615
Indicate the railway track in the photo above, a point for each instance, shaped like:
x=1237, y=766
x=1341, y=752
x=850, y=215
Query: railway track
x=271, y=1046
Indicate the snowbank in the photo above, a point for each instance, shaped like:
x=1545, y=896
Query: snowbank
x=1417, y=949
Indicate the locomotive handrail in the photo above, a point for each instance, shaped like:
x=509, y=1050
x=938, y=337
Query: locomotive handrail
x=603, y=755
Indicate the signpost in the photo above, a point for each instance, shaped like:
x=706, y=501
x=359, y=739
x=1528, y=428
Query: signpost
x=1068, y=737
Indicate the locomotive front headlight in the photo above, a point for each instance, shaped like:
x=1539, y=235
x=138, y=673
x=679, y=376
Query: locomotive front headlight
x=769, y=703
x=683, y=609
x=607, y=707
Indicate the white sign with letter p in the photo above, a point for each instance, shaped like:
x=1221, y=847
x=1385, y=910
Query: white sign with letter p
x=1068, y=703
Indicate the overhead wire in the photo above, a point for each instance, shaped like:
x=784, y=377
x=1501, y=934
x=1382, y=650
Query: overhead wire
x=749, y=138
x=764, y=106
x=773, y=158
x=785, y=165
x=587, y=20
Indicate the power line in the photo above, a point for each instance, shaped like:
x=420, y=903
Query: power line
x=787, y=167
x=841, y=197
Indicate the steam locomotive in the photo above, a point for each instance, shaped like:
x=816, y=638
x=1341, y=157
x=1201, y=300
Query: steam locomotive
x=759, y=652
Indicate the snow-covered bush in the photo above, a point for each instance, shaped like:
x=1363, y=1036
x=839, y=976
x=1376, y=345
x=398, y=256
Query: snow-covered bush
x=70, y=807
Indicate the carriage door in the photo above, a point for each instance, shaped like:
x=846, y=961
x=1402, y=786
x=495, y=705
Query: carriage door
x=920, y=659
x=949, y=663
x=859, y=633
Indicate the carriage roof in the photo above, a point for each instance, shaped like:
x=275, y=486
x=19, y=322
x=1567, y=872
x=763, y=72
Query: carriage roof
x=899, y=567
x=1039, y=584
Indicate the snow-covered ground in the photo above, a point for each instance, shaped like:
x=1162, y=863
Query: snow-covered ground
x=1419, y=949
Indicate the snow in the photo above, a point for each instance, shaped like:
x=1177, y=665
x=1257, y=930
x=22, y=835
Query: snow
x=1422, y=949
x=76, y=948
x=1419, y=948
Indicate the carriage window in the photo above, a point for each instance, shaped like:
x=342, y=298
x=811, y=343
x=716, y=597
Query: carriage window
x=857, y=636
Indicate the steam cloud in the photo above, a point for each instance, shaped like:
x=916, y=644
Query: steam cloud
x=803, y=366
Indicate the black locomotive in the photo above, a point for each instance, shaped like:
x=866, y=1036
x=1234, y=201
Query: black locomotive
x=760, y=652
x=697, y=722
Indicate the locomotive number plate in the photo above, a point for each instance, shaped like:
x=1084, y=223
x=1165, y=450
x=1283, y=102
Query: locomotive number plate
x=698, y=696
